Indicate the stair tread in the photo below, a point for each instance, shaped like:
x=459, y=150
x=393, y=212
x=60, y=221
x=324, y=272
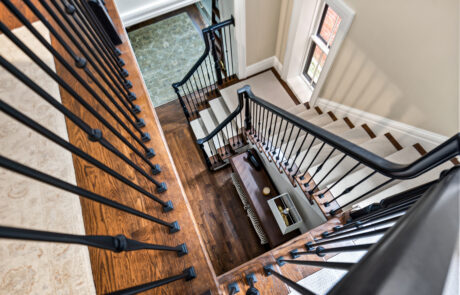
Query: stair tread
x=308, y=115
x=404, y=156
x=200, y=132
x=406, y=185
x=219, y=108
x=210, y=124
x=297, y=109
x=380, y=146
x=318, y=120
x=321, y=120
x=335, y=127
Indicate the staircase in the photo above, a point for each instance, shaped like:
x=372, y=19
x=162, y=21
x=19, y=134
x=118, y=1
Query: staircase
x=380, y=198
x=325, y=175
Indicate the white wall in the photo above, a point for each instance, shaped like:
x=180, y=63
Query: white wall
x=136, y=11
x=400, y=60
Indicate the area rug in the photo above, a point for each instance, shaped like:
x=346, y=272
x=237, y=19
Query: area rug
x=166, y=51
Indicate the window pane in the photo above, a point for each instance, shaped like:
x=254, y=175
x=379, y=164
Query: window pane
x=315, y=63
x=329, y=26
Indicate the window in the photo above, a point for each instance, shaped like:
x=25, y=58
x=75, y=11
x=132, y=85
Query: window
x=316, y=31
x=320, y=44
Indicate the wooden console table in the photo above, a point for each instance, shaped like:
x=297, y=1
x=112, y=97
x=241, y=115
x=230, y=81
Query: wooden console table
x=252, y=182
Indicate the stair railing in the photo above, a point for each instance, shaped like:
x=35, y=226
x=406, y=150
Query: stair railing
x=95, y=80
x=400, y=258
x=287, y=140
x=224, y=139
x=215, y=66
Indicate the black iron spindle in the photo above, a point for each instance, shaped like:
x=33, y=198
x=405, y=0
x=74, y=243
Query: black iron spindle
x=118, y=243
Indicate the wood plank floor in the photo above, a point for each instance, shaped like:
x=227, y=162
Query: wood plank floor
x=226, y=230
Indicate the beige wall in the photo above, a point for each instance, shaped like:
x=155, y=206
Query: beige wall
x=261, y=29
x=400, y=60
x=283, y=28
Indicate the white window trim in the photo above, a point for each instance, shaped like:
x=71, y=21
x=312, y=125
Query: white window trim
x=305, y=19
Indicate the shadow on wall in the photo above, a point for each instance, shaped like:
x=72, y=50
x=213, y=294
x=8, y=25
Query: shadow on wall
x=358, y=82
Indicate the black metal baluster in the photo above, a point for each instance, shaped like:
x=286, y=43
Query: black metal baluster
x=336, y=265
x=351, y=187
x=257, y=123
x=118, y=243
x=209, y=69
x=94, y=134
x=231, y=49
x=102, y=32
x=318, y=169
x=340, y=179
x=52, y=74
x=227, y=62
x=232, y=132
x=361, y=228
x=217, y=67
x=37, y=175
x=127, y=101
x=233, y=288
x=264, y=126
x=80, y=22
x=181, y=101
x=188, y=275
x=277, y=153
x=269, y=270
x=297, y=155
x=287, y=144
x=199, y=90
x=278, y=135
x=293, y=146
x=268, y=128
x=314, y=158
x=271, y=135
x=116, y=76
x=92, y=24
x=321, y=252
x=401, y=208
x=4, y=107
x=329, y=172
x=310, y=245
x=332, y=212
x=192, y=98
x=206, y=87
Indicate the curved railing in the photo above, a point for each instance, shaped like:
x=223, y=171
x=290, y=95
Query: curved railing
x=442, y=153
x=288, y=140
x=214, y=66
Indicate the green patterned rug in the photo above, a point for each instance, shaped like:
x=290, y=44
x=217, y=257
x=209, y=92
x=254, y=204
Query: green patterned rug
x=166, y=51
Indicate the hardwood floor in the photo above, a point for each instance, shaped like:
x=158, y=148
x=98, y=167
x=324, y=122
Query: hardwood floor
x=226, y=230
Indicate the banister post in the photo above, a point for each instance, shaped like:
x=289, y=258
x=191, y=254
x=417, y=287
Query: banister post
x=217, y=65
x=247, y=111
x=176, y=89
x=206, y=157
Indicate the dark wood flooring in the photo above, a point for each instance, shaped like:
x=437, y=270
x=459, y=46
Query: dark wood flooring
x=226, y=230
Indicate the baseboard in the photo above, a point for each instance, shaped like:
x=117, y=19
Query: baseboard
x=260, y=66
x=151, y=10
x=278, y=65
x=407, y=132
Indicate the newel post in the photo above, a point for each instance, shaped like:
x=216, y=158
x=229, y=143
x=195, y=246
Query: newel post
x=217, y=66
